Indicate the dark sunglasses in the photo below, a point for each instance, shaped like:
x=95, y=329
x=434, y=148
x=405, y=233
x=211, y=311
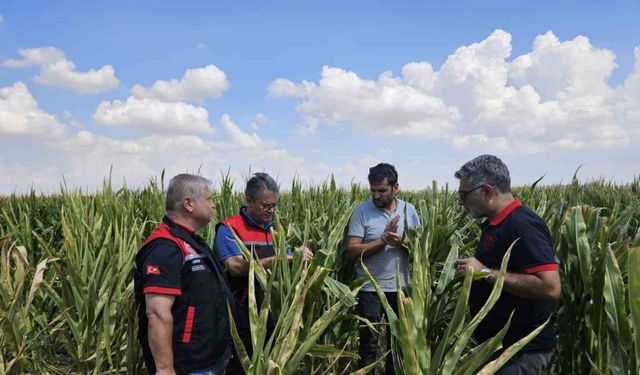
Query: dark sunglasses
x=463, y=193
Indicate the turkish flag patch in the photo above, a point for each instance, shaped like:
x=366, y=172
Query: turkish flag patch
x=153, y=270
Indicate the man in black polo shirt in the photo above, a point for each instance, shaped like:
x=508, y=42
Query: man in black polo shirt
x=532, y=278
x=180, y=288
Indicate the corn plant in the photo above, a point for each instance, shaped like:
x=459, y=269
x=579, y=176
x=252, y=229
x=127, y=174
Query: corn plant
x=22, y=323
x=594, y=289
x=292, y=298
x=423, y=350
x=93, y=287
x=81, y=317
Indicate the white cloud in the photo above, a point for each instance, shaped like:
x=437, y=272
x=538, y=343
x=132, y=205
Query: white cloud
x=84, y=158
x=283, y=87
x=554, y=97
x=35, y=56
x=382, y=107
x=202, y=46
x=195, y=86
x=71, y=120
x=20, y=115
x=1, y=18
x=87, y=158
x=243, y=139
x=628, y=96
x=480, y=100
x=162, y=108
x=562, y=70
x=154, y=116
x=56, y=70
x=258, y=120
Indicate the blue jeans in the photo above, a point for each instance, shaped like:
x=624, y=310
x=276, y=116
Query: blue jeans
x=370, y=307
x=217, y=368
x=529, y=363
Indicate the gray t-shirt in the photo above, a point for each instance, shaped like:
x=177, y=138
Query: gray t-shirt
x=368, y=222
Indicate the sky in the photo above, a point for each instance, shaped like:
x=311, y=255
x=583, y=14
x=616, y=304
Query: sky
x=307, y=90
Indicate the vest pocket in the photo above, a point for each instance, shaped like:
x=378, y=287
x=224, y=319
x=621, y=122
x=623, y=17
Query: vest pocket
x=188, y=325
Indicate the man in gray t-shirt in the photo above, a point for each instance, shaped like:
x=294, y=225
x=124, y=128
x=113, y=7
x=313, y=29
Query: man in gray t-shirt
x=375, y=236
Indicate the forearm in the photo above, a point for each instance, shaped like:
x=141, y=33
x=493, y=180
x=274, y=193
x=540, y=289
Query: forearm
x=355, y=251
x=267, y=262
x=525, y=285
x=160, y=332
x=238, y=266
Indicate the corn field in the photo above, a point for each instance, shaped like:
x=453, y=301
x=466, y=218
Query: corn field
x=66, y=282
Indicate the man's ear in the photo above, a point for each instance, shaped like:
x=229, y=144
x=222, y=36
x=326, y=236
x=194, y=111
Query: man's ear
x=187, y=204
x=490, y=192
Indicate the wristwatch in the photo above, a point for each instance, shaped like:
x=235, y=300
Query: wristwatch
x=487, y=271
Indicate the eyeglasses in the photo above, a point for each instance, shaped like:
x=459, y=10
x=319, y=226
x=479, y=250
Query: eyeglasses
x=266, y=207
x=463, y=193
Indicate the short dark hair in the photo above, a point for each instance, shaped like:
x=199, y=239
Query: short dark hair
x=258, y=183
x=382, y=171
x=486, y=169
x=184, y=186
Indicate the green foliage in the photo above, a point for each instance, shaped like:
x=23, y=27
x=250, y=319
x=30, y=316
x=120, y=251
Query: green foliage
x=66, y=281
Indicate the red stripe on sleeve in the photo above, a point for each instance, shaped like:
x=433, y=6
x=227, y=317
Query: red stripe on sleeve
x=188, y=325
x=540, y=268
x=161, y=290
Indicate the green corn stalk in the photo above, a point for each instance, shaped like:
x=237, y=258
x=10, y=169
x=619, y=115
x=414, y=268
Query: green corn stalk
x=297, y=287
x=633, y=265
x=409, y=328
x=22, y=324
x=617, y=319
x=610, y=214
x=93, y=288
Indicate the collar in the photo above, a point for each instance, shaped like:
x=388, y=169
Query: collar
x=167, y=220
x=253, y=223
x=507, y=210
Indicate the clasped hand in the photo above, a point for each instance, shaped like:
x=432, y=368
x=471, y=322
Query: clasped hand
x=390, y=236
x=470, y=263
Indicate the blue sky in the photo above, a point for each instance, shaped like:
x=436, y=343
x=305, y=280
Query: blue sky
x=312, y=88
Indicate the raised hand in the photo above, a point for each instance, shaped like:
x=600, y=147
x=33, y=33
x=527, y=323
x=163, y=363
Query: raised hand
x=392, y=225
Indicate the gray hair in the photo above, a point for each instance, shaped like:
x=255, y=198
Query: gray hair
x=258, y=183
x=486, y=169
x=184, y=186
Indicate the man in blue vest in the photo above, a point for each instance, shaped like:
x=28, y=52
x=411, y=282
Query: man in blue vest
x=532, y=278
x=253, y=226
x=180, y=288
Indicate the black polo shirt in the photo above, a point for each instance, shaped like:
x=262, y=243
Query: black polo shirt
x=533, y=252
x=176, y=261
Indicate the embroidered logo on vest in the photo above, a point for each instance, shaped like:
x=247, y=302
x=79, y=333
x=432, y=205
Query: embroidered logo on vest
x=188, y=249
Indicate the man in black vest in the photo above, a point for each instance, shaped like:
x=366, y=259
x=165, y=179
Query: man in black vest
x=253, y=226
x=180, y=288
x=532, y=278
